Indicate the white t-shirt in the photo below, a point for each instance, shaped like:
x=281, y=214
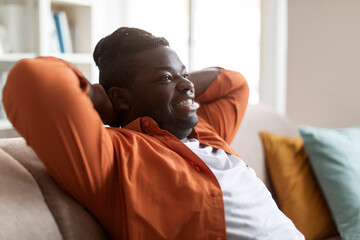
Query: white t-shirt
x=250, y=211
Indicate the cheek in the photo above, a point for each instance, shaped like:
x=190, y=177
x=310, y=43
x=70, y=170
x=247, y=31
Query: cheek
x=161, y=96
x=160, y=104
x=155, y=99
x=154, y=102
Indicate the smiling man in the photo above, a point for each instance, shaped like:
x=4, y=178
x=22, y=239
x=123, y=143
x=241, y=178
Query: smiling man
x=164, y=169
x=161, y=90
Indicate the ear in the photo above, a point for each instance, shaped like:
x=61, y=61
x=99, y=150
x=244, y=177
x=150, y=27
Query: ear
x=120, y=98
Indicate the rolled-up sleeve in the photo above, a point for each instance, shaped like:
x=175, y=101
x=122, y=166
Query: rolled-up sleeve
x=46, y=101
x=223, y=104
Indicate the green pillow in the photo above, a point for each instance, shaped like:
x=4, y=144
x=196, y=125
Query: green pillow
x=335, y=158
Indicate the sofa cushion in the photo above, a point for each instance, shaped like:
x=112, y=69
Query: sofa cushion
x=73, y=221
x=297, y=190
x=335, y=157
x=24, y=213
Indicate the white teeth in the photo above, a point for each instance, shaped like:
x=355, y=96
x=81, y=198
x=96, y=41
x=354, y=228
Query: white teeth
x=197, y=105
x=186, y=102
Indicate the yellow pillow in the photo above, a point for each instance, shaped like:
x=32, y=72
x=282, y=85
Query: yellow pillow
x=297, y=191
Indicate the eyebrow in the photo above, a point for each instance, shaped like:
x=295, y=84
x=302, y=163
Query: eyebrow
x=168, y=68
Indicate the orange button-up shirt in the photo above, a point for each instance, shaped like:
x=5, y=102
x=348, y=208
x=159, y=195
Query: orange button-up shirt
x=139, y=181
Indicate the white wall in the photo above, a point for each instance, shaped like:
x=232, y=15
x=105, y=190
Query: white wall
x=323, y=87
x=108, y=16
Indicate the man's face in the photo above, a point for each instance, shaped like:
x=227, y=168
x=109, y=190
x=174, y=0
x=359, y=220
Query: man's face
x=162, y=91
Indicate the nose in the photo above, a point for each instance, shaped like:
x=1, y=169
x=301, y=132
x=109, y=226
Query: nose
x=185, y=84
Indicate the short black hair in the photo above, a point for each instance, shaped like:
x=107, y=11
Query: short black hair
x=114, y=55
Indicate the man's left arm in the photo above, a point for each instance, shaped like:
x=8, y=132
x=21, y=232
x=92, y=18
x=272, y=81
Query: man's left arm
x=203, y=78
x=223, y=97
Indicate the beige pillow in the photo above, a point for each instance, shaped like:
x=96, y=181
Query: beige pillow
x=296, y=188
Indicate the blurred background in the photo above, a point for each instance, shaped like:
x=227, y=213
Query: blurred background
x=300, y=57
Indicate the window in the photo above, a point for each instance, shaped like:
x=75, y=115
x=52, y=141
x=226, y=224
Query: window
x=206, y=33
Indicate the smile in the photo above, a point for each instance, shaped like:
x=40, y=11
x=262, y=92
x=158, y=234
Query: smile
x=186, y=102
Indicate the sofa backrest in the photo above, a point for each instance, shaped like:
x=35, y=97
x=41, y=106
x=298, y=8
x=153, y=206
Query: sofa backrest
x=32, y=204
x=24, y=213
x=247, y=142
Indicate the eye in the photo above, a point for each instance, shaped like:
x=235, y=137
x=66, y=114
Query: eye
x=186, y=76
x=166, y=78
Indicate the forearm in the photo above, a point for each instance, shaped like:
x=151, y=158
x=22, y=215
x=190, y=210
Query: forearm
x=223, y=103
x=203, y=78
x=46, y=100
x=225, y=84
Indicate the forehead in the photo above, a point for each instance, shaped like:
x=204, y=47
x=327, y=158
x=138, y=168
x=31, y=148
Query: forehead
x=158, y=58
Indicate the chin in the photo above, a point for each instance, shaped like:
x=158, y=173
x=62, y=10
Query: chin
x=188, y=129
x=181, y=129
x=190, y=123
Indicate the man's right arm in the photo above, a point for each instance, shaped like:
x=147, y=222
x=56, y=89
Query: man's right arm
x=46, y=101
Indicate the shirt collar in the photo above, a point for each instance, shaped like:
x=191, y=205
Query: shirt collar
x=147, y=125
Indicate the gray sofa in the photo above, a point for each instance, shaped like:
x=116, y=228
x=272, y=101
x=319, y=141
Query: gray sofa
x=33, y=206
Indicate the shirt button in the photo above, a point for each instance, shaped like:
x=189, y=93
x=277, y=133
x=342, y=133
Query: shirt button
x=214, y=193
x=146, y=124
x=219, y=238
